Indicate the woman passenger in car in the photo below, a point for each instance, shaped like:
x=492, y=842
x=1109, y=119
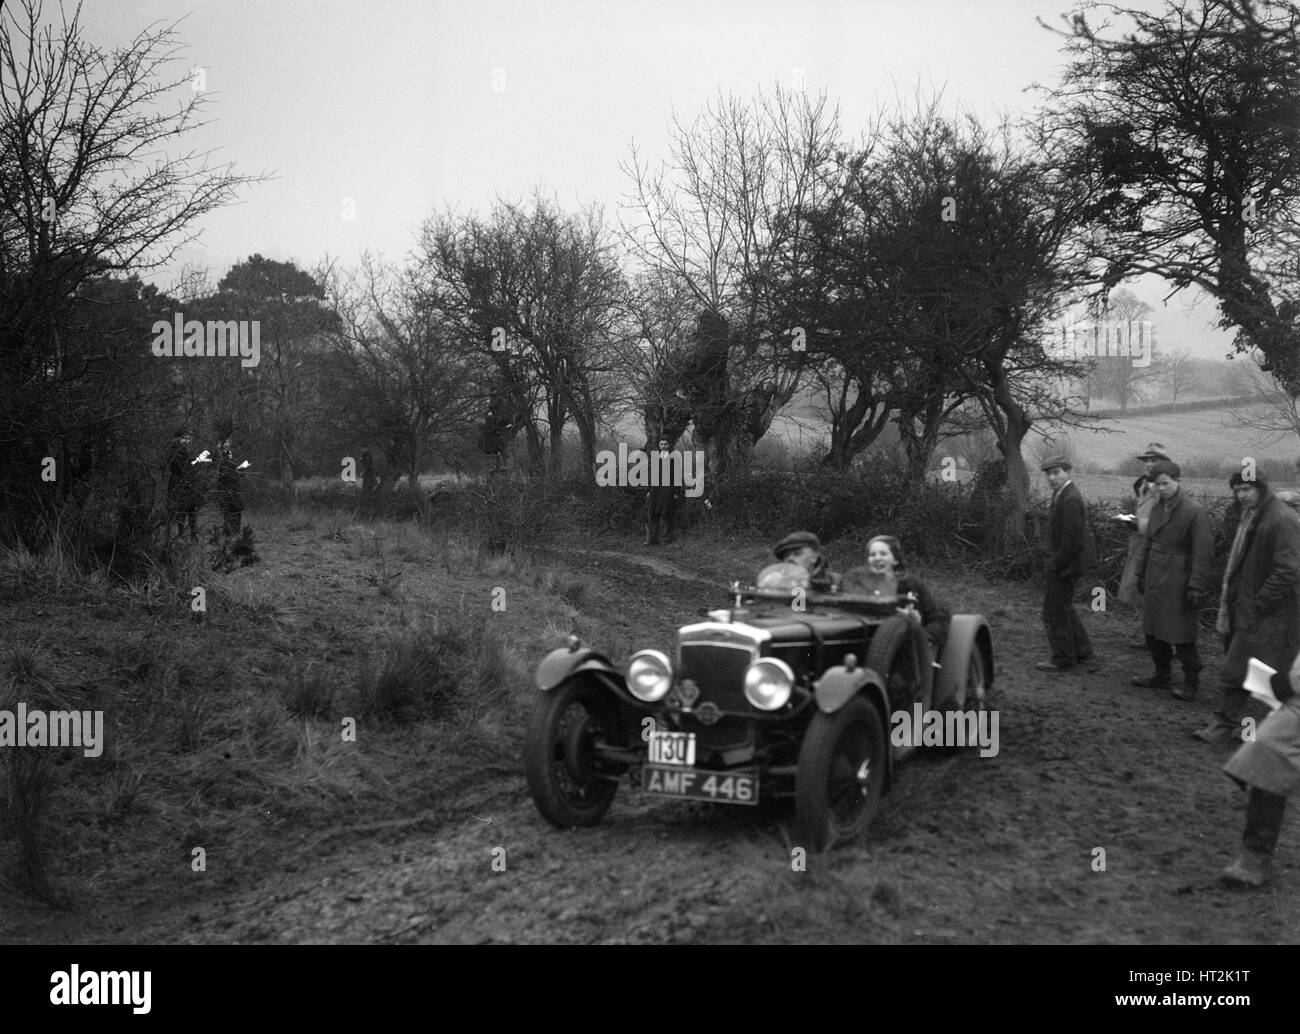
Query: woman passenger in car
x=884, y=576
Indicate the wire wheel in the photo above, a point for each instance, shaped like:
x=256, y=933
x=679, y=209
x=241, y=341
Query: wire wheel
x=566, y=778
x=841, y=775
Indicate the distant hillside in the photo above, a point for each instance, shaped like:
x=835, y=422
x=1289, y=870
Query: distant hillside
x=1193, y=437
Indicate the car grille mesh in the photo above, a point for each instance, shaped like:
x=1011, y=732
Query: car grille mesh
x=719, y=672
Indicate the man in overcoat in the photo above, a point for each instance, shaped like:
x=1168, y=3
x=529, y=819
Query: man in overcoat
x=1066, y=530
x=1259, y=604
x=229, y=497
x=1175, y=569
x=1144, y=501
x=183, y=496
x=1269, y=767
x=661, y=501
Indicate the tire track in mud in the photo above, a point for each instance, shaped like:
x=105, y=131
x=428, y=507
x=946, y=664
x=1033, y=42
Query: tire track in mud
x=964, y=849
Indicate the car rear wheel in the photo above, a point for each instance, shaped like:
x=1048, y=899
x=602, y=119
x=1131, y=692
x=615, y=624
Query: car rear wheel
x=565, y=777
x=892, y=657
x=841, y=775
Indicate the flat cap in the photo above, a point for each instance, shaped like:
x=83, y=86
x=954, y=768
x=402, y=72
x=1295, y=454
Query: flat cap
x=1155, y=451
x=795, y=540
x=1239, y=479
x=1057, y=461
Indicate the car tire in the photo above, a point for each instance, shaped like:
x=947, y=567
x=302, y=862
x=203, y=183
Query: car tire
x=841, y=775
x=564, y=776
x=892, y=636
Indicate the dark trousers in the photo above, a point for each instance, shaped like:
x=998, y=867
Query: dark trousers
x=652, y=528
x=1065, y=631
x=1237, y=702
x=1162, y=655
x=231, y=521
x=181, y=516
x=1264, y=812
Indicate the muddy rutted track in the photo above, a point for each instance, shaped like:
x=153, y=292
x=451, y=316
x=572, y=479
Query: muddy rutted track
x=964, y=850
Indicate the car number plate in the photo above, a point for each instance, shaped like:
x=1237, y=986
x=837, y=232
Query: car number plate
x=699, y=785
x=672, y=748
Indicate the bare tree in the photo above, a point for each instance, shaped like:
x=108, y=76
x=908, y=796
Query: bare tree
x=536, y=293
x=1178, y=372
x=1278, y=412
x=1186, y=141
x=91, y=185
x=1122, y=377
x=404, y=380
x=718, y=218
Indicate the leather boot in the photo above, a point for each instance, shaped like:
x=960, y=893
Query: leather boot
x=1160, y=680
x=1191, y=686
x=1251, y=869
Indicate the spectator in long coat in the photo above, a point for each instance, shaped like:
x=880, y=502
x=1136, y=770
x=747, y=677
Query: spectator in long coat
x=493, y=434
x=369, y=479
x=661, y=503
x=1066, y=527
x=229, y=497
x=1269, y=766
x=1259, y=603
x=1144, y=500
x=183, y=495
x=1175, y=573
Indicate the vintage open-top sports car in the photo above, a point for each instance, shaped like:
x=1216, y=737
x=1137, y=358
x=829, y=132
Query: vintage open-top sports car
x=783, y=694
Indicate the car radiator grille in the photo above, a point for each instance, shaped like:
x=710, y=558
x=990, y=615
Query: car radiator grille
x=719, y=674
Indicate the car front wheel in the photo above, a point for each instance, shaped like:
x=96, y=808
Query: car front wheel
x=841, y=775
x=565, y=776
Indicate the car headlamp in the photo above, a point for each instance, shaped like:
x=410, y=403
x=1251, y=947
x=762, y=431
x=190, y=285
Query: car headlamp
x=649, y=675
x=768, y=683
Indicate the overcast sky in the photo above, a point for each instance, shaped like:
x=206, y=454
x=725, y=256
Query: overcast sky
x=404, y=106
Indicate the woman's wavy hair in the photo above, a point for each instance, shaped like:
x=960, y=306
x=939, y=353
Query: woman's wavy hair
x=895, y=547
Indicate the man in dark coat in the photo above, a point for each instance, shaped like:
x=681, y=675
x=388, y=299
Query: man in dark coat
x=1259, y=605
x=492, y=436
x=1066, y=528
x=1174, y=572
x=369, y=480
x=1144, y=500
x=661, y=501
x=182, y=492
x=228, y=495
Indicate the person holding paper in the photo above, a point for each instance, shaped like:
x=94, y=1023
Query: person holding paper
x=1269, y=767
x=1259, y=605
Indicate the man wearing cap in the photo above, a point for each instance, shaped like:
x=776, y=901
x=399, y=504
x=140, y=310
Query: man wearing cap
x=1146, y=498
x=1066, y=527
x=800, y=565
x=1259, y=605
x=1175, y=574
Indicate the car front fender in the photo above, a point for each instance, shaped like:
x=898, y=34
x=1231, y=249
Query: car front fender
x=838, y=685
x=564, y=663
